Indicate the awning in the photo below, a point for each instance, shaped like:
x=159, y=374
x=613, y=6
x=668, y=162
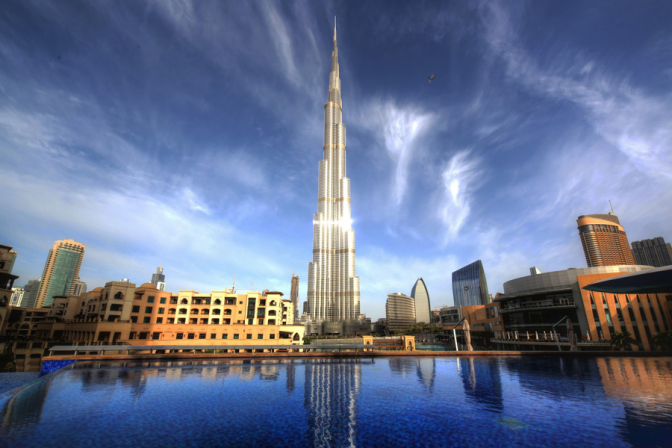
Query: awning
x=652, y=281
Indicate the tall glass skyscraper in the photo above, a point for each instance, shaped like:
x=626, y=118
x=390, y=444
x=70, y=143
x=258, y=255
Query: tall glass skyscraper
x=333, y=287
x=421, y=298
x=469, y=285
x=158, y=279
x=60, y=271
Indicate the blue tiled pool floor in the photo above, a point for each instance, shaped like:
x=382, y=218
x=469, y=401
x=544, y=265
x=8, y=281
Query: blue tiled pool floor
x=401, y=401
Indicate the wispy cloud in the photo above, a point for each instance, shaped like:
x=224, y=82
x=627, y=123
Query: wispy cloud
x=637, y=124
x=461, y=176
x=400, y=128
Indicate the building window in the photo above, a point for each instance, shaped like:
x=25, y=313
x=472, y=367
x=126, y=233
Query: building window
x=136, y=309
x=261, y=321
x=249, y=336
x=215, y=321
x=131, y=335
x=179, y=336
x=148, y=310
x=146, y=320
x=183, y=311
x=171, y=320
x=236, y=336
x=225, y=336
x=250, y=321
x=272, y=336
x=227, y=321
x=190, y=336
x=134, y=319
x=213, y=336
x=260, y=336
x=204, y=321
x=156, y=335
x=159, y=320
x=162, y=300
x=193, y=321
x=173, y=300
x=201, y=336
x=161, y=310
x=181, y=320
x=150, y=299
x=143, y=335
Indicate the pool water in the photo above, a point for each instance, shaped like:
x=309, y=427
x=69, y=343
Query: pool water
x=376, y=402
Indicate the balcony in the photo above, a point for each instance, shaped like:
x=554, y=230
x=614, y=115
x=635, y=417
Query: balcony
x=536, y=306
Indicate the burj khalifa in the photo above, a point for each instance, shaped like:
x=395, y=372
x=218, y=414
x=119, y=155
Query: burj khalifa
x=333, y=287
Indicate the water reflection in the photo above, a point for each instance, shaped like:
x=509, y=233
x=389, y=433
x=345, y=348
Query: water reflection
x=22, y=411
x=423, y=367
x=347, y=402
x=578, y=376
x=482, y=382
x=632, y=381
x=331, y=401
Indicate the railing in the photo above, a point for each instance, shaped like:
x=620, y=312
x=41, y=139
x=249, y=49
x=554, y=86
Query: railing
x=532, y=340
x=167, y=349
x=509, y=309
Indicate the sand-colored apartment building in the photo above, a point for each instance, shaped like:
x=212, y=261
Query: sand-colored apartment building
x=120, y=313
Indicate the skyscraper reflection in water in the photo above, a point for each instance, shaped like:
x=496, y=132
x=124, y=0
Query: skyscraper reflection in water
x=482, y=382
x=330, y=399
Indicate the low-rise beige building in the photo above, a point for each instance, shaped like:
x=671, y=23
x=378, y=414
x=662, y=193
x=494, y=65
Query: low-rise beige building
x=120, y=313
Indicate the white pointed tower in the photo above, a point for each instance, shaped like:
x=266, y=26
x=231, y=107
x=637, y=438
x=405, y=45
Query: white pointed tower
x=333, y=287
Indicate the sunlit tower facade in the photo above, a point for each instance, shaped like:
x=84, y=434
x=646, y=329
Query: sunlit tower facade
x=61, y=271
x=333, y=287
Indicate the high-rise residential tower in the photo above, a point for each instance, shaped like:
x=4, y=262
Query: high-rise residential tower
x=80, y=287
x=30, y=294
x=470, y=287
x=653, y=252
x=294, y=295
x=399, y=311
x=421, y=298
x=604, y=240
x=333, y=287
x=158, y=279
x=60, y=271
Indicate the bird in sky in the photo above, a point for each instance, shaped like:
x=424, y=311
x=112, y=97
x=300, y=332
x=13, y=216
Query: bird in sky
x=431, y=78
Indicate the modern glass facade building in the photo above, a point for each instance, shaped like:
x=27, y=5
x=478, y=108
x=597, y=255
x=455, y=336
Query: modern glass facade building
x=60, y=271
x=470, y=287
x=158, y=277
x=421, y=298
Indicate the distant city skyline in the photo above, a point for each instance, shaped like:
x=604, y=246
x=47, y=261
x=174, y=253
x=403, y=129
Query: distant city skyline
x=155, y=133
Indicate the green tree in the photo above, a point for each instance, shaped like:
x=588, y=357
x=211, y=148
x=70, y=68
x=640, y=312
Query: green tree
x=622, y=340
x=663, y=340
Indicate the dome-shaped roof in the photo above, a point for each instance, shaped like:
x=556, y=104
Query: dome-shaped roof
x=100, y=288
x=147, y=286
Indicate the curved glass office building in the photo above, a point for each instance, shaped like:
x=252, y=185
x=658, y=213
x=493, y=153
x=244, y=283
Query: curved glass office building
x=421, y=298
x=469, y=285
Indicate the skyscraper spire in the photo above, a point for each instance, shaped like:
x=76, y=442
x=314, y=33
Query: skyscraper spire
x=333, y=287
x=334, y=56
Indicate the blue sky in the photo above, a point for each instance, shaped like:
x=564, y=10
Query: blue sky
x=189, y=133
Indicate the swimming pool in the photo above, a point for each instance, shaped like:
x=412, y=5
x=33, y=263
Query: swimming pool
x=377, y=402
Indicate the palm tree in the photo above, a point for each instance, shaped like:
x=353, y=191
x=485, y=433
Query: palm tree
x=663, y=340
x=622, y=340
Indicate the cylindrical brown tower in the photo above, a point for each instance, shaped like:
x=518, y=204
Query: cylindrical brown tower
x=604, y=241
